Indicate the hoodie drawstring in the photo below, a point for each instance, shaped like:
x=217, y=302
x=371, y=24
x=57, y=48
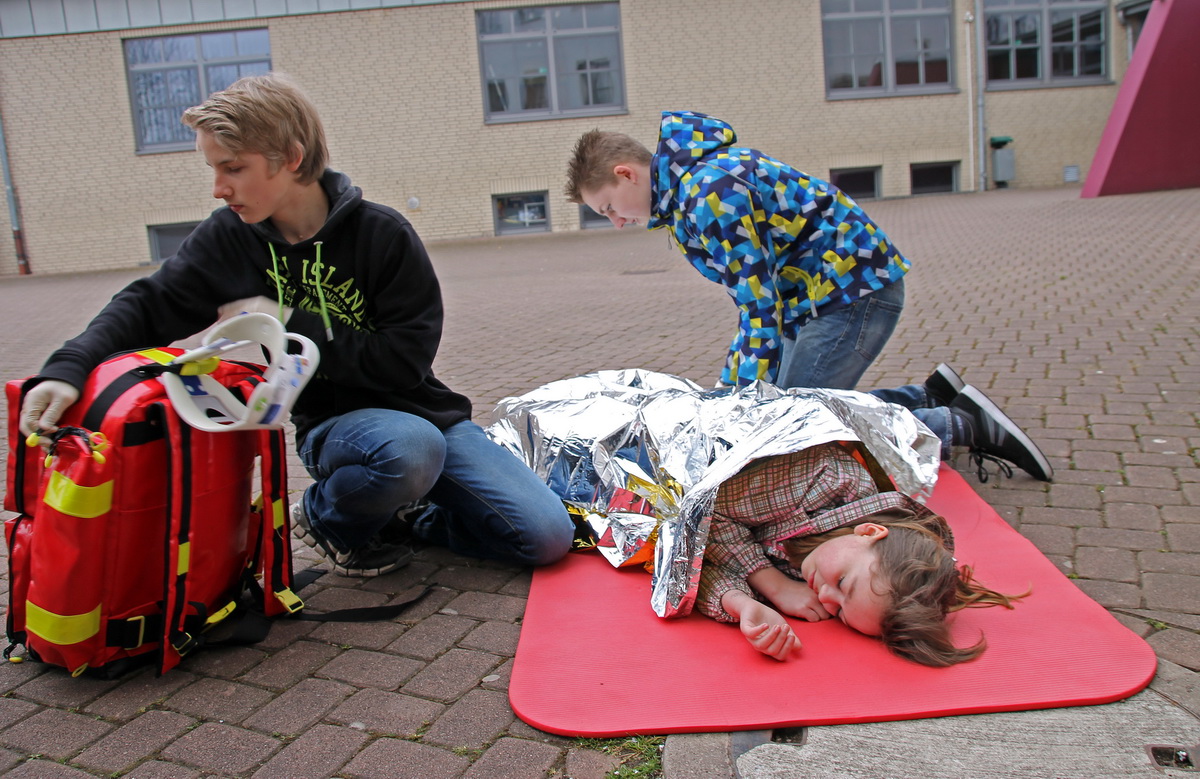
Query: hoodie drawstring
x=321, y=295
x=320, y=289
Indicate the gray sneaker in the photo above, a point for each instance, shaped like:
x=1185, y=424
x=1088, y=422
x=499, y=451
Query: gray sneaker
x=376, y=558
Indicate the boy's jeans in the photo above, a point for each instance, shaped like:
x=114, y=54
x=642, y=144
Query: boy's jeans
x=833, y=351
x=485, y=502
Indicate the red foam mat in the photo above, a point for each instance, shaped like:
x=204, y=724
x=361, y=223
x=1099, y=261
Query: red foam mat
x=594, y=660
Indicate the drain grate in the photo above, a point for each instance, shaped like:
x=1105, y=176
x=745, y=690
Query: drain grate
x=1166, y=756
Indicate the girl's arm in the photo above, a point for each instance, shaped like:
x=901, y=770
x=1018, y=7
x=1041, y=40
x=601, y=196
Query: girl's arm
x=789, y=596
x=765, y=629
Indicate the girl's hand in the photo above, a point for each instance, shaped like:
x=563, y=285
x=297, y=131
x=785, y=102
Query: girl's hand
x=764, y=627
x=797, y=599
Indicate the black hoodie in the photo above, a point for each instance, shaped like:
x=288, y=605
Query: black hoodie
x=378, y=288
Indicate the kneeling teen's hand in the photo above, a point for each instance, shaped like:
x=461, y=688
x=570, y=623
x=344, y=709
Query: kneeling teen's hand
x=44, y=406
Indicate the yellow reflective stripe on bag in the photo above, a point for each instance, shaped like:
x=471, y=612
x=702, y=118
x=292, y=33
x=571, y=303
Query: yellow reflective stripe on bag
x=67, y=497
x=61, y=629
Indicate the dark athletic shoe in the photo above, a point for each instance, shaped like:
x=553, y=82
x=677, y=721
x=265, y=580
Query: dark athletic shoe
x=943, y=385
x=997, y=436
x=375, y=559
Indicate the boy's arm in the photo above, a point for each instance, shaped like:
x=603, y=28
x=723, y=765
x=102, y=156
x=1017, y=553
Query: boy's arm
x=739, y=256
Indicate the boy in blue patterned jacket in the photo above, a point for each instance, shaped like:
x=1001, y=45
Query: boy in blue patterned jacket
x=818, y=285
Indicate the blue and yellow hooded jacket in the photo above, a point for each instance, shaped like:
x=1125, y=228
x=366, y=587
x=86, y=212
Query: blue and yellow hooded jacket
x=787, y=246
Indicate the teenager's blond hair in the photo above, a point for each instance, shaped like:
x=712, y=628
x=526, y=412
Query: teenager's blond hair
x=915, y=562
x=595, y=155
x=267, y=115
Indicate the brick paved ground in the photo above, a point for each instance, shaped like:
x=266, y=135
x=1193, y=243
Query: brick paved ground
x=1078, y=316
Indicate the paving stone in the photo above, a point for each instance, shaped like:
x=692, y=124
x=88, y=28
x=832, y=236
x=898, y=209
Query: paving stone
x=1170, y=562
x=362, y=635
x=590, y=764
x=473, y=721
x=138, y=692
x=1183, y=537
x=451, y=675
x=1101, y=563
x=513, y=758
x=1116, y=537
x=1178, y=646
x=291, y=664
x=317, y=754
x=44, y=769
x=217, y=699
x=389, y=713
x=1111, y=595
x=130, y=743
x=223, y=749
x=1173, y=592
x=1141, y=476
x=1132, y=516
x=334, y=598
x=432, y=636
x=299, y=708
x=389, y=758
x=1050, y=539
x=474, y=577
x=58, y=688
x=486, y=605
x=13, y=710
x=1066, y=517
x=17, y=674
x=1152, y=495
x=1181, y=514
x=499, y=638
x=54, y=733
x=227, y=662
x=158, y=769
x=371, y=669
x=1074, y=496
x=285, y=632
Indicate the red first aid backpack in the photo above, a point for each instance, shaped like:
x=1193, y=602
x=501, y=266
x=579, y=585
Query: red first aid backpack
x=138, y=538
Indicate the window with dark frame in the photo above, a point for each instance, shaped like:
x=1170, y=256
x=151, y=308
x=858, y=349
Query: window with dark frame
x=544, y=62
x=589, y=219
x=886, y=46
x=169, y=74
x=521, y=212
x=1039, y=42
x=930, y=177
x=165, y=240
x=858, y=183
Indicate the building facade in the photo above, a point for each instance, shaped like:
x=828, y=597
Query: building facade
x=462, y=114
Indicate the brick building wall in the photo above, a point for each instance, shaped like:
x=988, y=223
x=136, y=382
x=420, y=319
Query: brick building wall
x=399, y=90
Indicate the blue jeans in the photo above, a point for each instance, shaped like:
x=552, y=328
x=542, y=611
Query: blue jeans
x=484, y=501
x=833, y=351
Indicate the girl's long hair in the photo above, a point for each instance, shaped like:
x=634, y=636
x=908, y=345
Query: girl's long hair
x=915, y=561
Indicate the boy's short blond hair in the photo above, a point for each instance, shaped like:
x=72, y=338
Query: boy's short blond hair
x=595, y=155
x=267, y=115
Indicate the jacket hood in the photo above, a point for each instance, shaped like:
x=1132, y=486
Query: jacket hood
x=684, y=138
x=343, y=196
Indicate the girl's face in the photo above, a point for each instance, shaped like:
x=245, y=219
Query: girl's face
x=841, y=571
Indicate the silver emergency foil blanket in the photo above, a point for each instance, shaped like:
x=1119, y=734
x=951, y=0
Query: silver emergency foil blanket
x=597, y=438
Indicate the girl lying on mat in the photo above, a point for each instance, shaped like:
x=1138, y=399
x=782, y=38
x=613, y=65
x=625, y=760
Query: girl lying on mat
x=811, y=534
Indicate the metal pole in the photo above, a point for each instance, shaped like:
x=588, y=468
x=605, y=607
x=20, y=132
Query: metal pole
x=14, y=213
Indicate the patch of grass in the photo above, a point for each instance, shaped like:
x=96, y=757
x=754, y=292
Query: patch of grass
x=640, y=756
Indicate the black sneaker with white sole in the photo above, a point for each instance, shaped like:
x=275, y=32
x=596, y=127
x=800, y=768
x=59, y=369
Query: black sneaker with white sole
x=376, y=558
x=943, y=385
x=995, y=435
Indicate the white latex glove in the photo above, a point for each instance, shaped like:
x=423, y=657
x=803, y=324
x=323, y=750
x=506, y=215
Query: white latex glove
x=260, y=304
x=44, y=406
